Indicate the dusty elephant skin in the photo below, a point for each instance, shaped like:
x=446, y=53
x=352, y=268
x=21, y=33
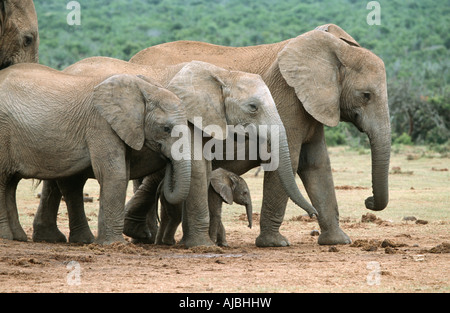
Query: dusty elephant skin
x=19, y=36
x=318, y=78
x=225, y=187
x=220, y=97
x=38, y=140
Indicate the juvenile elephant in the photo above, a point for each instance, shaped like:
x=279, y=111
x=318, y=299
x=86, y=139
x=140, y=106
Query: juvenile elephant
x=212, y=96
x=59, y=126
x=19, y=36
x=319, y=78
x=226, y=187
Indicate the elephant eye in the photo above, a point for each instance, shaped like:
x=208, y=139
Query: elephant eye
x=28, y=40
x=167, y=129
x=252, y=107
x=367, y=96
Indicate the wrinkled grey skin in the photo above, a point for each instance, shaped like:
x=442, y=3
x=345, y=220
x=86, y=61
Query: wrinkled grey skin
x=316, y=79
x=37, y=123
x=220, y=97
x=224, y=187
x=19, y=36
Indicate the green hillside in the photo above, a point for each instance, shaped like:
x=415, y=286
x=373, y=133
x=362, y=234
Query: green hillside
x=413, y=40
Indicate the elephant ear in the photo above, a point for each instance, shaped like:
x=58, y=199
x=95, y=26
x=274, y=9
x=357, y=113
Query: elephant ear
x=310, y=64
x=338, y=33
x=200, y=87
x=223, y=186
x=121, y=100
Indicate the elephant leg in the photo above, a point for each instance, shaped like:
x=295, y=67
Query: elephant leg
x=164, y=219
x=142, y=207
x=45, y=228
x=13, y=214
x=72, y=189
x=170, y=220
x=111, y=165
x=195, y=216
x=215, y=217
x=5, y=229
x=315, y=172
x=221, y=235
x=272, y=212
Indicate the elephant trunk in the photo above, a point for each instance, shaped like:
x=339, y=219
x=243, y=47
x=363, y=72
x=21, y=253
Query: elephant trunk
x=177, y=181
x=380, y=144
x=249, y=211
x=285, y=171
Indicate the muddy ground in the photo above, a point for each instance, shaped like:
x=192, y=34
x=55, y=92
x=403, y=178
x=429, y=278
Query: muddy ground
x=388, y=253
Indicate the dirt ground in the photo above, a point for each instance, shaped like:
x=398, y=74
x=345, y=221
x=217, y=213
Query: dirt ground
x=388, y=253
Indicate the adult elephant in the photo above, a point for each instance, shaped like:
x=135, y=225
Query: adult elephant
x=316, y=79
x=220, y=97
x=118, y=121
x=19, y=36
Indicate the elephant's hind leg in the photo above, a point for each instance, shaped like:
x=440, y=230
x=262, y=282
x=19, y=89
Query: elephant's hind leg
x=72, y=190
x=5, y=230
x=45, y=228
x=13, y=214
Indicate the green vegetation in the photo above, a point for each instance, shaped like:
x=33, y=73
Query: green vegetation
x=413, y=40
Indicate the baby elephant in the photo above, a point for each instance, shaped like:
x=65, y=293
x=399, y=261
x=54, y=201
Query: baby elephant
x=226, y=187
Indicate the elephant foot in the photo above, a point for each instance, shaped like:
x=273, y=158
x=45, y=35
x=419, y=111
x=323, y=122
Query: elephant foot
x=48, y=234
x=107, y=240
x=166, y=242
x=19, y=234
x=5, y=232
x=83, y=236
x=138, y=231
x=222, y=243
x=272, y=239
x=334, y=237
x=196, y=241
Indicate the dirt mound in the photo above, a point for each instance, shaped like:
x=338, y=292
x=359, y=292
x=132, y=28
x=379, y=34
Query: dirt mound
x=372, y=218
x=442, y=248
x=389, y=245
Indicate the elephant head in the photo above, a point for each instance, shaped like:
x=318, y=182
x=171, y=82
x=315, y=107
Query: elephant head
x=222, y=98
x=232, y=188
x=19, y=37
x=337, y=80
x=141, y=112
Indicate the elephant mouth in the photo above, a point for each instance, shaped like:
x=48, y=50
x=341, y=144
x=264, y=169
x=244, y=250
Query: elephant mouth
x=5, y=65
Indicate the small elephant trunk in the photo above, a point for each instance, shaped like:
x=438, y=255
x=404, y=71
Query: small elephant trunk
x=249, y=211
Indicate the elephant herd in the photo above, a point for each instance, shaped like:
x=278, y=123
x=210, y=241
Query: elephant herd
x=151, y=119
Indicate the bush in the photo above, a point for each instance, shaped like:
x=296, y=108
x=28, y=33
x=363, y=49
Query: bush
x=403, y=139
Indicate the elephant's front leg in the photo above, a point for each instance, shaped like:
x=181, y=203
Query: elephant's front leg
x=44, y=225
x=195, y=217
x=272, y=213
x=111, y=167
x=315, y=172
